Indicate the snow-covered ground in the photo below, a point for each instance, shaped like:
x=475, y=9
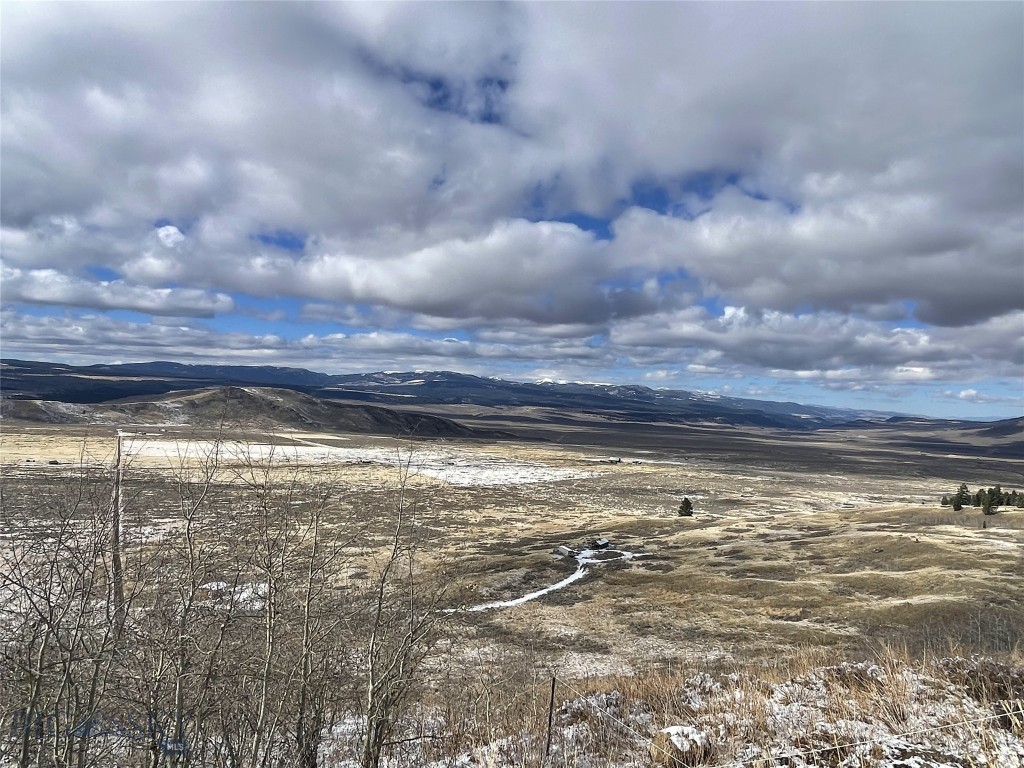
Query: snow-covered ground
x=584, y=558
x=850, y=715
x=454, y=465
x=250, y=596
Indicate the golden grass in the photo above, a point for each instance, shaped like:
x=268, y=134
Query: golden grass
x=771, y=557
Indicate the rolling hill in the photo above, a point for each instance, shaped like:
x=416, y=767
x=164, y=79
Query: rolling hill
x=102, y=383
x=253, y=407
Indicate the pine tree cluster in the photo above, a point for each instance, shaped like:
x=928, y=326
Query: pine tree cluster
x=988, y=500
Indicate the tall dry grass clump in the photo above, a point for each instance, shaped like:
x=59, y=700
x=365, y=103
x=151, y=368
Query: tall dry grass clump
x=805, y=709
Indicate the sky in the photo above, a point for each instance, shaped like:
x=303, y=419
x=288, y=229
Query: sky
x=820, y=202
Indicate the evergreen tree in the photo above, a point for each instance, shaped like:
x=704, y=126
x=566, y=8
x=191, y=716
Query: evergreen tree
x=963, y=495
x=686, y=507
x=944, y=501
x=957, y=504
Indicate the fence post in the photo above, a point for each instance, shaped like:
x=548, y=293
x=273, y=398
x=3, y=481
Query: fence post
x=551, y=712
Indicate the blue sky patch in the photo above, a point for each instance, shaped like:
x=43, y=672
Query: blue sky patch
x=479, y=100
x=184, y=226
x=671, y=197
x=128, y=316
x=105, y=274
x=598, y=227
x=282, y=238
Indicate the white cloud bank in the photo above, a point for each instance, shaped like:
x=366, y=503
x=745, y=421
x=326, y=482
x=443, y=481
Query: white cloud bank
x=848, y=178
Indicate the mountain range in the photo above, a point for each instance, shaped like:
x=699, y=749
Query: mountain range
x=33, y=380
x=446, y=404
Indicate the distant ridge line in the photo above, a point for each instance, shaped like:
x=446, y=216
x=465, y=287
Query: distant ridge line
x=22, y=379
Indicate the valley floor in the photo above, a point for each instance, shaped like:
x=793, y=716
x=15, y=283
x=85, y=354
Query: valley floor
x=827, y=563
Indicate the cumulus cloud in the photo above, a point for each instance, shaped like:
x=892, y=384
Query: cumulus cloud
x=850, y=256
x=824, y=346
x=848, y=178
x=975, y=397
x=78, y=336
x=47, y=286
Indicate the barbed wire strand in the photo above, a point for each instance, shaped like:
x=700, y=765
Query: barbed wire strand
x=801, y=753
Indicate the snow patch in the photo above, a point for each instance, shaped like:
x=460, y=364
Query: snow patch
x=583, y=559
x=456, y=466
x=686, y=737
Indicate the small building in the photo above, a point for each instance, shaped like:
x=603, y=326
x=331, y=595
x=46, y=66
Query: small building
x=600, y=544
x=565, y=551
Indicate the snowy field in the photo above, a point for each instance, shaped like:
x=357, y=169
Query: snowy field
x=453, y=465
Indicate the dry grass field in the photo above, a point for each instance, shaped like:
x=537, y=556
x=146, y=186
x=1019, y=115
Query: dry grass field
x=823, y=554
x=818, y=608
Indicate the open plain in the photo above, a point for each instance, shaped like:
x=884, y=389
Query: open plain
x=828, y=539
x=819, y=607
